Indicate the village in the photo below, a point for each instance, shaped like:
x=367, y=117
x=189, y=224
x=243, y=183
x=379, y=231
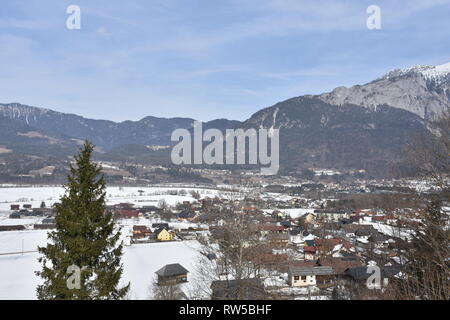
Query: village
x=291, y=246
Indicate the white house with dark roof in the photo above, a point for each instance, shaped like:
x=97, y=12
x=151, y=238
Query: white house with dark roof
x=303, y=276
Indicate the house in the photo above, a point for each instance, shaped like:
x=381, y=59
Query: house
x=340, y=264
x=378, y=218
x=309, y=252
x=124, y=205
x=361, y=274
x=363, y=235
x=298, y=235
x=15, y=207
x=331, y=215
x=160, y=225
x=277, y=214
x=351, y=230
x=48, y=220
x=140, y=232
x=278, y=239
x=172, y=274
x=12, y=228
x=44, y=226
x=379, y=239
x=326, y=246
x=266, y=229
x=27, y=206
x=244, y=289
x=14, y=215
x=300, y=276
x=127, y=213
x=185, y=215
x=37, y=213
x=163, y=235
x=308, y=218
x=286, y=224
x=149, y=209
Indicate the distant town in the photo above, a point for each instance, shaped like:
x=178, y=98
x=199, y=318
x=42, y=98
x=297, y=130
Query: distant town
x=299, y=239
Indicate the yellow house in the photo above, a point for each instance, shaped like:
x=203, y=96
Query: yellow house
x=164, y=235
x=309, y=218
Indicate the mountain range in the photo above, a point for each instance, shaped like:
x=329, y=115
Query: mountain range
x=361, y=127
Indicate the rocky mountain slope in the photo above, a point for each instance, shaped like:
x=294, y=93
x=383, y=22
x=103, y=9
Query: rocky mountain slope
x=361, y=127
x=423, y=90
x=314, y=133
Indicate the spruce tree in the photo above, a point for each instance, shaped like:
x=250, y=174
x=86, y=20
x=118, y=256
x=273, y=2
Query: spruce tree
x=85, y=237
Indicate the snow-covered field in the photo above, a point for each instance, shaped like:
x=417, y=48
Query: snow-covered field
x=17, y=271
x=50, y=195
x=18, y=279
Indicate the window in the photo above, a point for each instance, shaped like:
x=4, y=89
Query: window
x=296, y=278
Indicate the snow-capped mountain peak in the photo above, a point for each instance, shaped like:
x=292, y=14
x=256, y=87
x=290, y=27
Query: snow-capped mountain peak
x=436, y=74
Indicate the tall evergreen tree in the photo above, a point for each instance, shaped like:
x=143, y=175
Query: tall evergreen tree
x=85, y=237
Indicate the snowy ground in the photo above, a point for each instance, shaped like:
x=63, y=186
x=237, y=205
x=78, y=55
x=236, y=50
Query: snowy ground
x=50, y=195
x=17, y=277
x=18, y=280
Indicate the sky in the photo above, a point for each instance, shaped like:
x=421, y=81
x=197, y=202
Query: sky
x=206, y=59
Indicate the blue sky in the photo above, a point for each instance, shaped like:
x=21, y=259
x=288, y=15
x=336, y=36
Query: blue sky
x=205, y=59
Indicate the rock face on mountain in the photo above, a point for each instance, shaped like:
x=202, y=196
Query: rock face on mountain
x=314, y=133
x=423, y=90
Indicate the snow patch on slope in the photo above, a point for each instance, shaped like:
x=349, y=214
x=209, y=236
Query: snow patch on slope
x=437, y=73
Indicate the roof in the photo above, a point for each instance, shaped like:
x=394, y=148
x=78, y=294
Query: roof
x=309, y=249
x=159, y=225
x=158, y=230
x=48, y=220
x=286, y=223
x=363, y=232
x=302, y=263
x=327, y=242
x=185, y=214
x=306, y=271
x=128, y=213
x=352, y=228
x=173, y=269
x=360, y=273
x=12, y=228
x=299, y=230
x=141, y=228
x=339, y=265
